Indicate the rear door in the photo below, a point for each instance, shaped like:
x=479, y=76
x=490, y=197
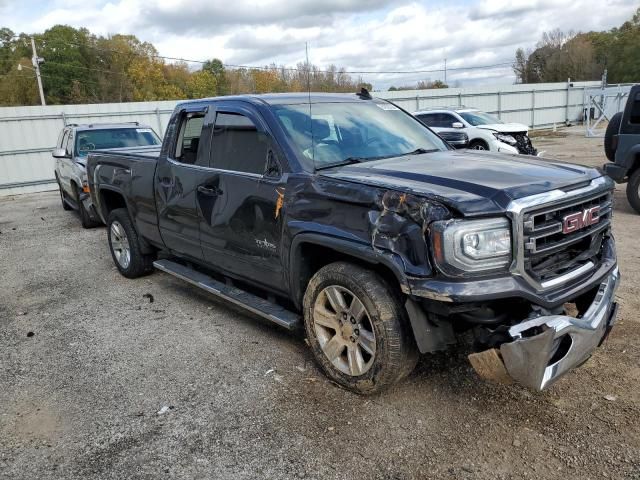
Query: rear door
x=178, y=178
x=241, y=200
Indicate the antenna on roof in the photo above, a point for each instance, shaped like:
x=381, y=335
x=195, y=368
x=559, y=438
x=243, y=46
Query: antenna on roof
x=364, y=94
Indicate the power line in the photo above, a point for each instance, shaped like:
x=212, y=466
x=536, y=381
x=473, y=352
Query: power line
x=296, y=69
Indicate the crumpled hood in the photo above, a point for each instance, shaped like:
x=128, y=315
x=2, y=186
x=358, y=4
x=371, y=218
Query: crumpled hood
x=505, y=127
x=472, y=182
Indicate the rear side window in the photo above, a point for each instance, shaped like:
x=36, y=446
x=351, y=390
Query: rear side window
x=237, y=145
x=428, y=120
x=189, y=133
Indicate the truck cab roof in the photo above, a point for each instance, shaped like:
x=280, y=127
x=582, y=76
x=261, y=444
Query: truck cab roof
x=290, y=98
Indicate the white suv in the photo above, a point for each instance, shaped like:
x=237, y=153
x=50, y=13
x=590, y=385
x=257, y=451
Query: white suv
x=485, y=132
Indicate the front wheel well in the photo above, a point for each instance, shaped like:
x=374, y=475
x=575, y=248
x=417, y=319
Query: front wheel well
x=312, y=257
x=635, y=166
x=478, y=141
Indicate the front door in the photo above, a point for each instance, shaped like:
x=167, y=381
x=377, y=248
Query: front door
x=178, y=178
x=242, y=197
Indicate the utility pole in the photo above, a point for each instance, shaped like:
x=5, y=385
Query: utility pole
x=36, y=61
x=445, y=70
x=306, y=51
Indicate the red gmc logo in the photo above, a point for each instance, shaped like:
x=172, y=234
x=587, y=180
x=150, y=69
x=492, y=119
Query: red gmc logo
x=576, y=221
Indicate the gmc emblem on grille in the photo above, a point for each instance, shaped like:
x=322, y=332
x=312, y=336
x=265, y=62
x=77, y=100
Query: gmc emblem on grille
x=577, y=221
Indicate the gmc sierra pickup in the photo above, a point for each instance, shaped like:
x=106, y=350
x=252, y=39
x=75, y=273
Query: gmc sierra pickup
x=345, y=215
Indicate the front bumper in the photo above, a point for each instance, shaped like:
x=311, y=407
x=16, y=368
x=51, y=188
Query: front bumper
x=87, y=203
x=616, y=172
x=504, y=148
x=533, y=357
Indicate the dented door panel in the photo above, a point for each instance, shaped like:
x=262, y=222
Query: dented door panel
x=241, y=229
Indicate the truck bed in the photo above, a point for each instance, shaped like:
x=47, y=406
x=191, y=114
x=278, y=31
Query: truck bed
x=131, y=172
x=150, y=151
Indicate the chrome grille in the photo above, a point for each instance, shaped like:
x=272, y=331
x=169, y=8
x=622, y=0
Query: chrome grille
x=549, y=252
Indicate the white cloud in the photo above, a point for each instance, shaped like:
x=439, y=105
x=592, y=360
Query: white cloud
x=360, y=35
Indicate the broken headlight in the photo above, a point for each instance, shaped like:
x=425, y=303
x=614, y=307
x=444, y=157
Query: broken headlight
x=471, y=246
x=503, y=137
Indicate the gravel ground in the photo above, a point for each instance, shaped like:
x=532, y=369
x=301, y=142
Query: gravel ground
x=87, y=363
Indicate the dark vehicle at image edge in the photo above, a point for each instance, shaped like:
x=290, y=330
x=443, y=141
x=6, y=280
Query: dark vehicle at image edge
x=346, y=215
x=622, y=147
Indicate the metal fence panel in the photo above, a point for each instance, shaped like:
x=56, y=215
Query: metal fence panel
x=28, y=134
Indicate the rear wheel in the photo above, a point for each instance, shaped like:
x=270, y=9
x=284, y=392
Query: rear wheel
x=124, y=246
x=357, y=328
x=612, y=129
x=478, y=145
x=633, y=190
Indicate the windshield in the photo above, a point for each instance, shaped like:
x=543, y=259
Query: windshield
x=88, y=140
x=352, y=131
x=478, y=118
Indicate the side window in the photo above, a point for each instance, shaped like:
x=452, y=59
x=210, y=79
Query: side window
x=69, y=143
x=62, y=138
x=447, y=120
x=237, y=145
x=189, y=132
x=428, y=120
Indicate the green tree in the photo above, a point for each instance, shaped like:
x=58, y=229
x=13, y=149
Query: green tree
x=217, y=69
x=201, y=84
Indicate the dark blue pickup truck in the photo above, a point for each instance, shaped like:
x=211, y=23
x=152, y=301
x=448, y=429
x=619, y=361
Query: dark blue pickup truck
x=346, y=216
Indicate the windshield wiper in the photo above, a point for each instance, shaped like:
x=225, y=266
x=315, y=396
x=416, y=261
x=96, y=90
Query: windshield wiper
x=418, y=151
x=346, y=161
x=352, y=160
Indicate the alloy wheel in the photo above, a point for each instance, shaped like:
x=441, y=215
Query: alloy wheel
x=120, y=244
x=344, y=330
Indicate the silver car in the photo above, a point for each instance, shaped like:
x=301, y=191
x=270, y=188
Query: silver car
x=74, y=144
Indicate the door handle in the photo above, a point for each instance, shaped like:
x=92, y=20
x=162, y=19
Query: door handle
x=211, y=191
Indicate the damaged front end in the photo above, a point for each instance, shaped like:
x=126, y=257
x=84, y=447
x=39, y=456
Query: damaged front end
x=542, y=349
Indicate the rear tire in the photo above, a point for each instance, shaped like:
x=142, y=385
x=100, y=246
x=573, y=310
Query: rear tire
x=124, y=246
x=633, y=190
x=358, y=329
x=612, y=129
x=478, y=145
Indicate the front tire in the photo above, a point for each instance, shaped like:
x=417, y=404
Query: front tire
x=478, y=145
x=357, y=328
x=633, y=190
x=124, y=246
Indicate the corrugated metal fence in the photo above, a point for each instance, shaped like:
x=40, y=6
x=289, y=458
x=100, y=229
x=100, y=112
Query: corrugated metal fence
x=28, y=134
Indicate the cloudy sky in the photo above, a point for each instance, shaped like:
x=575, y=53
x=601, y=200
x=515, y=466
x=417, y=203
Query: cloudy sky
x=361, y=35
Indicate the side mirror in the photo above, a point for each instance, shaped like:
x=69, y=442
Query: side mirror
x=60, y=153
x=457, y=125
